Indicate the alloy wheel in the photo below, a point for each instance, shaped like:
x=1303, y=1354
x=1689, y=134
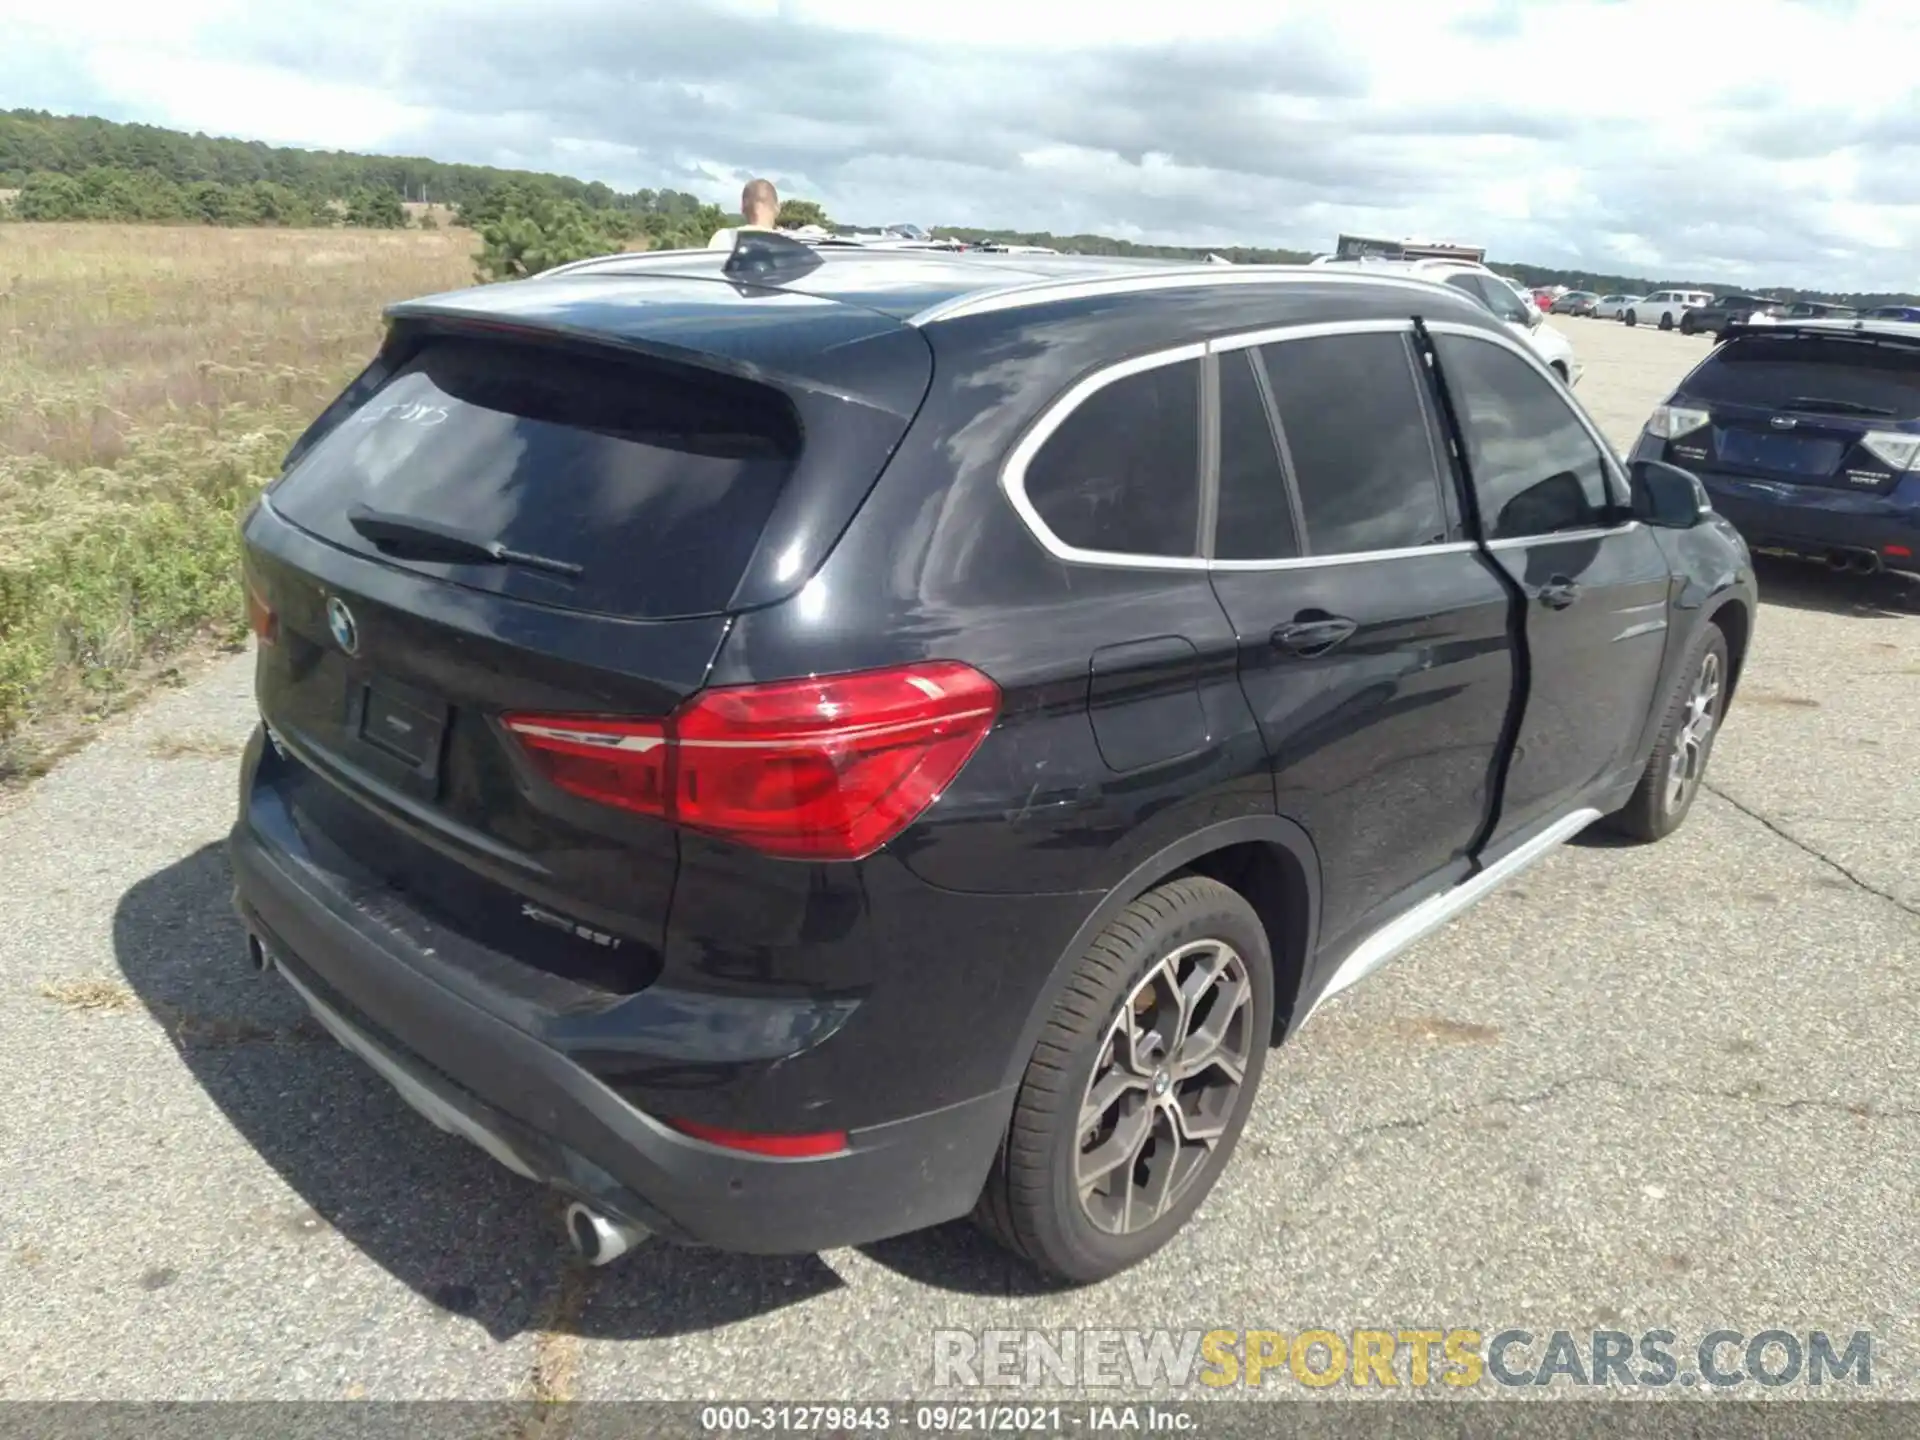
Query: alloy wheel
x=1696, y=734
x=1165, y=1087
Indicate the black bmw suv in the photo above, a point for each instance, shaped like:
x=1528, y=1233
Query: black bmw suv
x=793, y=746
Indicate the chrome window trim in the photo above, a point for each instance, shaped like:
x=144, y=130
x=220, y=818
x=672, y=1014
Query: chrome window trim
x=1563, y=537
x=1013, y=471
x=1609, y=461
x=1350, y=557
x=1280, y=334
x=991, y=300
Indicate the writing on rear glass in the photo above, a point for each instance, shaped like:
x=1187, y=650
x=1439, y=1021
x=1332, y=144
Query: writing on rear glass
x=411, y=413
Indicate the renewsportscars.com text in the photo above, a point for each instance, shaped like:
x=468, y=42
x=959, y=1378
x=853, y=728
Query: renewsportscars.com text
x=1413, y=1357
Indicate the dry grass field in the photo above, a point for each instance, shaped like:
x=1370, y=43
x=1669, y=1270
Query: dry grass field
x=150, y=380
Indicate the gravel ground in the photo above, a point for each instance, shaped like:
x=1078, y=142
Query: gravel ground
x=1671, y=1087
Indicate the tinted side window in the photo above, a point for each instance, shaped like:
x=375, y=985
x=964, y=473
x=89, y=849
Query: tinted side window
x=1122, y=472
x=1255, y=520
x=1356, y=432
x=1535, y=468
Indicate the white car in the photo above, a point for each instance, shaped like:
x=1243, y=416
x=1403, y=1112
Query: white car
x=1614, y=307
x=1498, y=294
x=1665, y=307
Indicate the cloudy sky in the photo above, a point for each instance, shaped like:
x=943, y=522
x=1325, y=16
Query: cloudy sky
x=1753, y=140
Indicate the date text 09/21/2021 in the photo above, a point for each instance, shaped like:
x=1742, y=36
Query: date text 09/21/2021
x=955, y=1419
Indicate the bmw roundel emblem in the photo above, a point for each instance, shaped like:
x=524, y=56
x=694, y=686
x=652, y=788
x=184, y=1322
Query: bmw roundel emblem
x=340, y=622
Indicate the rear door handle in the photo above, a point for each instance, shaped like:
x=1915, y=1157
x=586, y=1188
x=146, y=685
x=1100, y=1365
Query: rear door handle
x=1313, y=637
x=1559, y=592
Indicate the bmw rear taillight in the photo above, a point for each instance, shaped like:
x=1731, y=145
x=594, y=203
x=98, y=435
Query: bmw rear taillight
x=830, y=768
x=260, y=617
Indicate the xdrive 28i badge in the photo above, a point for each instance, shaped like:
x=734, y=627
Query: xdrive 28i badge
x=346, y=634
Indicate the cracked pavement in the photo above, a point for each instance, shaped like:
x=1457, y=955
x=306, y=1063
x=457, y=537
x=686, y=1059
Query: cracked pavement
x=1670, y=1087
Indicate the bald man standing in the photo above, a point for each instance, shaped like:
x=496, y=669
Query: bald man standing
x=759, y=208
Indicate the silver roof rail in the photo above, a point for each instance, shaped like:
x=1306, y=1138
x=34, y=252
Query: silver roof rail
x=1048, y=292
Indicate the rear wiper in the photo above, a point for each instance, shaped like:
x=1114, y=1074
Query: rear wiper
x=1838, y=407
x=420, y=540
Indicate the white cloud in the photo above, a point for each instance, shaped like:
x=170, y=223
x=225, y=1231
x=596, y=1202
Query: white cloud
x=1607, y=133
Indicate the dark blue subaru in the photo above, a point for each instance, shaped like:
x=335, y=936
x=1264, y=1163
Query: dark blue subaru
x=1807, y=436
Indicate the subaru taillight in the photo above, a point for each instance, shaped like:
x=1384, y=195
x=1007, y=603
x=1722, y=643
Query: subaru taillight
x=1896, y=449
x=829, y=768
x=1669, y=422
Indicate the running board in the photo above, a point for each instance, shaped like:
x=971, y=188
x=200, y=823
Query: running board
x=1429, y=915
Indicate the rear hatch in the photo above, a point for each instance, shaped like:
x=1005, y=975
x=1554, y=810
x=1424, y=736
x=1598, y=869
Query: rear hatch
x=547, y=497
x=1833, y=409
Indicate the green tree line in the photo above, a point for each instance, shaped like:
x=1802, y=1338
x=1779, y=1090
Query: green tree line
x=104, y=192
x=33, y=141
x=524, y=229
x=36, y=143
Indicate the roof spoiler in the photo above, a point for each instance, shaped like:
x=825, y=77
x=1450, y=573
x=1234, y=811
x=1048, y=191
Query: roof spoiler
x=767, y=255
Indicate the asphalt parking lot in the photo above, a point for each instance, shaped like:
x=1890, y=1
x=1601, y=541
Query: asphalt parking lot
x=1670, y=1087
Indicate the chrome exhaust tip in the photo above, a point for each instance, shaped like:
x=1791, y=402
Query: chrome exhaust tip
x=1865, y=562
x=258, y=955
x=598, y=1240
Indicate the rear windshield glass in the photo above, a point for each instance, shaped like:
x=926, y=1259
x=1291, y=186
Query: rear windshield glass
x=636, y=489
x=1780, y=370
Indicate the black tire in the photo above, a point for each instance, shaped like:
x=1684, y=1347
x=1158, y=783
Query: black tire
x=1687, y=325
x=1632, y=317
x=1654, y=812
x=1666, y=320
x=1033, y=1201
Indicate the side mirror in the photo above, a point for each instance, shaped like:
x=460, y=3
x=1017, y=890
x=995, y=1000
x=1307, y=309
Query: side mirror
x=1668, y=497
x=1543, y=506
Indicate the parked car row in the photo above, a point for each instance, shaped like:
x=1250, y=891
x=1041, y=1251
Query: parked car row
x=1699, y=312
x=1512, y=305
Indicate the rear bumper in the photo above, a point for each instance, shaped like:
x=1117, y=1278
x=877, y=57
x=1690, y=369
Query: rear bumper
x=536, y=1108
x=1811, y=521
